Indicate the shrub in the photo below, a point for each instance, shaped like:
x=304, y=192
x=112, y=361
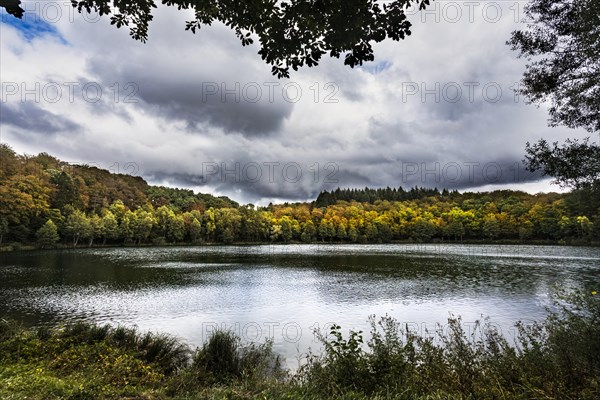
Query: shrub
x=558, y=358
x=223, y=359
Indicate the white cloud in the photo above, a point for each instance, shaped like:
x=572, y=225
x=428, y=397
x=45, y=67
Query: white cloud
x=349, y=127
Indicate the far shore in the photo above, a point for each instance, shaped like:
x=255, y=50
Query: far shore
x=16, y=247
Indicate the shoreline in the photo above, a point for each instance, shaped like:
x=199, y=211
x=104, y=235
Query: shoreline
x=17, y=247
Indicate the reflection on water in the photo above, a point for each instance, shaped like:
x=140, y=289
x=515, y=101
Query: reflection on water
x=284, y=292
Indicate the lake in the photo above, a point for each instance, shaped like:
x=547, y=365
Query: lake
x=284, y=292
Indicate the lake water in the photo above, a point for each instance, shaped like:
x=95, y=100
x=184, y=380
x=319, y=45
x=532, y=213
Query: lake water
x=285, y=292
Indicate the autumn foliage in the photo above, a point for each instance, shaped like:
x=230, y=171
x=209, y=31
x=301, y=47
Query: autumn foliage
x=91, y=206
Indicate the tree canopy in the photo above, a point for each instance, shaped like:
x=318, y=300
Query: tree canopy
x=562, y=45
x=291, y=33
x=575, y=164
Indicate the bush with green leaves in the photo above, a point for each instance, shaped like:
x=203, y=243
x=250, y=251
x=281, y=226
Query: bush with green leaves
x=557, y=358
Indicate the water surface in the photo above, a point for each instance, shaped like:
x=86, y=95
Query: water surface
x=284, y=292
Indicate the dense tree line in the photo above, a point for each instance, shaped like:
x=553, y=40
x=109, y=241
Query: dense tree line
x=45, y=200
x=368, y=195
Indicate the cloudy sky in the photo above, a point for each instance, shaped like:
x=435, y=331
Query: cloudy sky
x=202, y=112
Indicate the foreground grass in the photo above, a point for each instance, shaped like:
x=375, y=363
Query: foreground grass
x=556, y=359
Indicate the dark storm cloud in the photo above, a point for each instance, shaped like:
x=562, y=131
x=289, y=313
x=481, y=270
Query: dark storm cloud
x=32, y=118
x=252, y=180
x=456, y=174
x=293, y=181
x=253, y=191
x=455, y=155
x=462, y=175
x=198, y=85
x=235, y=107
x=177, y=179
x=249, y=107
x=342, y=177
x=407, y=174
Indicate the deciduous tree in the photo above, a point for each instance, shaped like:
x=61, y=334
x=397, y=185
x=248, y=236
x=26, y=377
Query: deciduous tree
x=47, y=235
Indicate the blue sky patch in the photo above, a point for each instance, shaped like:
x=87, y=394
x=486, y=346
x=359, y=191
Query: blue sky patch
x=31, y=26
x=377, y=68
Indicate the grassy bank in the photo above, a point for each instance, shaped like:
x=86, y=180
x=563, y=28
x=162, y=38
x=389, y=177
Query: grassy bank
x=556, y=359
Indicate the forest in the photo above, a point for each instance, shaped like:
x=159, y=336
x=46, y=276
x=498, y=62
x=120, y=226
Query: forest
x=46, y=202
